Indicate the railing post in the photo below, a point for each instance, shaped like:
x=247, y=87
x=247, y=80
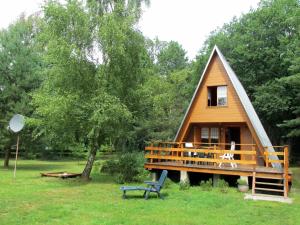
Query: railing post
x=215, y=155
x=254, y=157
x=267, y=156
x=181, y=152
x=286, y=171
x=151, y=152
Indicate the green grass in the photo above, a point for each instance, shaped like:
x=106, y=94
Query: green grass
x=32, y=199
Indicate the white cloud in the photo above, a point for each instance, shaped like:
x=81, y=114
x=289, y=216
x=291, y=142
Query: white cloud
x=187, y=21
x=190, y=21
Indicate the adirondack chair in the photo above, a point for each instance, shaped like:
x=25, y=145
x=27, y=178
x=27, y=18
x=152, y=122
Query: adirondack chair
x=229, y=156
x=151, y=187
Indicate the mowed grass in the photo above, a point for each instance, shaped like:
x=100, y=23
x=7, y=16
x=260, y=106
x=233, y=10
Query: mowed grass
x=32, y=199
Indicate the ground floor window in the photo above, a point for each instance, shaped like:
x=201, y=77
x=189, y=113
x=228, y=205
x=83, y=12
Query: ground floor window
x=210, y=135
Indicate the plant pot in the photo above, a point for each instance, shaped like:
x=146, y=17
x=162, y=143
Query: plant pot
x=243, y=188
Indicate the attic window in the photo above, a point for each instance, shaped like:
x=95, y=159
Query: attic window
x=217, y=96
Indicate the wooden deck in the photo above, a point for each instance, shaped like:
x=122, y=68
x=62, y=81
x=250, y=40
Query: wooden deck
x=214, y=169
x=206, y=159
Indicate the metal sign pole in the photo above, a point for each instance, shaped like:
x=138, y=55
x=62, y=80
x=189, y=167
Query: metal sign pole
x=17, y=151
x=16, y=124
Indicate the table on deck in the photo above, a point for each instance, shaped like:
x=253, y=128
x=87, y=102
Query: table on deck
x=202, y=155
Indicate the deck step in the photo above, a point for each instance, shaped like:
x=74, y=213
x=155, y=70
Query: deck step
x=268, y=189
x=271, y=184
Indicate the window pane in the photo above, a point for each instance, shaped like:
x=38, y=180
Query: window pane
x=214, y=132
x=204, y=133
x=222, y=101
x=214, y=135
x=222, y=95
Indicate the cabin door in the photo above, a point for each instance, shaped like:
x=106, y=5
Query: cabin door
x=233, y=134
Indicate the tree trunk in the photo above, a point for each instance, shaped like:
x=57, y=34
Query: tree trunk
x=89, y=164
x=6, y=158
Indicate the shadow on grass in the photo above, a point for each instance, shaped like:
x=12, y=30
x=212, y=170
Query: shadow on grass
x=140, y=196
x=40, y=167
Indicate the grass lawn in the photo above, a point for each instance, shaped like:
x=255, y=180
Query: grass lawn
x=31, y=199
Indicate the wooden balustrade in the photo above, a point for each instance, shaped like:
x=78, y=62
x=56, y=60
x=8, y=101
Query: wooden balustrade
x=175, y=152
x=283, y=159
x=208, y=156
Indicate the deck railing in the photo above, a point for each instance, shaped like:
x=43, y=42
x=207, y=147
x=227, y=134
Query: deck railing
x=209, y=154
x=198, y=154
x=282, y=153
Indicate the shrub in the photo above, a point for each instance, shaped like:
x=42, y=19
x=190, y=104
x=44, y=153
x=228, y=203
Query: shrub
x=206, y=185
x=110, y=166
x=223, y=186
x=168, y=183
x=128, y=167
x=184, y=185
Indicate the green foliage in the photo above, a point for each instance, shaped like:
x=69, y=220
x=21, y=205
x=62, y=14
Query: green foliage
x=168, y=183
x=223, y=186
x=171, y=57
x=206, y=185
x=184, y=185
x=128, y=167
x=293, y=83
x=19, y=62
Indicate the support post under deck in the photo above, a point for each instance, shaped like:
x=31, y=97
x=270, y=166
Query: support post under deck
x=216, y=178
x=184, y=177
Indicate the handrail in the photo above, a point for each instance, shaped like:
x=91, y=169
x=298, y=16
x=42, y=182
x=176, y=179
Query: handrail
x=198, y=143
x=199, y=150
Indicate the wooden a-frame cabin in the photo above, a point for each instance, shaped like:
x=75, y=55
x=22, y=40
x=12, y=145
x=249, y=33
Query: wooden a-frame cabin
x=221, y=121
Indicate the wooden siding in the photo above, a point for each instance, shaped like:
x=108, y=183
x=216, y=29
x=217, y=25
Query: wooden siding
x=246, y=137
x=201, y=113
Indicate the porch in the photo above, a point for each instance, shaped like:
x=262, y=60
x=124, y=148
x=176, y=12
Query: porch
x=206, y=158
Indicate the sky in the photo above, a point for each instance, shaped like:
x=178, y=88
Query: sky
x=188, y=22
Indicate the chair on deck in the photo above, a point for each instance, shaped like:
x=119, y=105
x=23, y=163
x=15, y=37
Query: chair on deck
x=229, y=156
x=152, y=186
x=190, y=154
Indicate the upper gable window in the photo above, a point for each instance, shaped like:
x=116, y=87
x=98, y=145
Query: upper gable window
x=217, y=96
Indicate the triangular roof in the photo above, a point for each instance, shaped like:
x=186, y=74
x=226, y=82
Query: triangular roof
x=244, y=99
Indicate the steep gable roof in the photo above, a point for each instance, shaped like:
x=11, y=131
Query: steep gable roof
x=244, y=99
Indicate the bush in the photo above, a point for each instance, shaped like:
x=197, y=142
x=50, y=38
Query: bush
x=223, y=186
x=206, y=185
x=184, y=185
x=128, y=167
x=168, y=183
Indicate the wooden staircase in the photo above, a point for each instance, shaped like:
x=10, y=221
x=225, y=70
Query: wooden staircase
x=269, y=185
